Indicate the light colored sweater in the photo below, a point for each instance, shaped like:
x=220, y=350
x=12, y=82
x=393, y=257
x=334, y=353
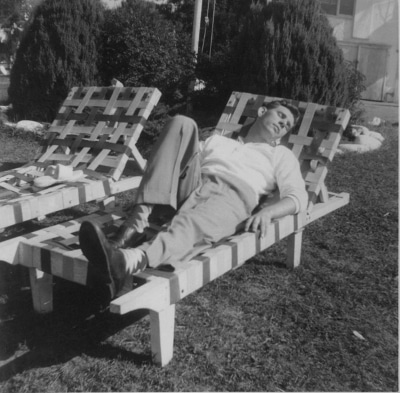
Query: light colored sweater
x=261, y=166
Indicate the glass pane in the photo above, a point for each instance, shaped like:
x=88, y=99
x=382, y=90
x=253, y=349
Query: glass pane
x=346, y=7
x=329, y=6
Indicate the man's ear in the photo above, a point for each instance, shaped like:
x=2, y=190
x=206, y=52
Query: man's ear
x=261, y=110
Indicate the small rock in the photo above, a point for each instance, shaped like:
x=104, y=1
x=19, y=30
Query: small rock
x=29, y=126
x=358, y=335
x=376, y=121
x=116, y=83
x=4, y=108
x=4, y=71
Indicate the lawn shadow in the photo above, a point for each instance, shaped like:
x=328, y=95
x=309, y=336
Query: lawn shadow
x=33, y=225
x=78, y=325
x=6, y=166
x=274, y=256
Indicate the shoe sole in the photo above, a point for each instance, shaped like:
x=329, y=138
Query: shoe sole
x=91, y=243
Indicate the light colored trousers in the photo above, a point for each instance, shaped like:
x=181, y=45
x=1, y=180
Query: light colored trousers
x=208, y=208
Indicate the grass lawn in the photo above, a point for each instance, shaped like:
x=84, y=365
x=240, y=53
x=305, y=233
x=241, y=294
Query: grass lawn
x=329, y=325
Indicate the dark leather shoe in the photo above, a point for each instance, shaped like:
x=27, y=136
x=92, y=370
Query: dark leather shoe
x=106, y=264
x=127, y=237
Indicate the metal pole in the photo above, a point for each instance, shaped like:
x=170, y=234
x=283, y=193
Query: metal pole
x=212, y=31
x=195, y=47
x=196, y=26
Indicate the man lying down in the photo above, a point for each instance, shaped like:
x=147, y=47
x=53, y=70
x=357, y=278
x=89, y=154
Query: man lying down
x=213, y=188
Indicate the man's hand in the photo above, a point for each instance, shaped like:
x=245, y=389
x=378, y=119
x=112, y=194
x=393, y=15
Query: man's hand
x=263, y=218
x=259, y=220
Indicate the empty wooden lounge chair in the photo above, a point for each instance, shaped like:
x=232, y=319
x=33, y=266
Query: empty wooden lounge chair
x=55, y=251
x=95, y=131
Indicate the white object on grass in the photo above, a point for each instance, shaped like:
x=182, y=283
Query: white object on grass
x=29, y=125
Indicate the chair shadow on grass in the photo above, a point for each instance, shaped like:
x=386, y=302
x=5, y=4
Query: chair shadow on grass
x=78, y=325
x=7, y=166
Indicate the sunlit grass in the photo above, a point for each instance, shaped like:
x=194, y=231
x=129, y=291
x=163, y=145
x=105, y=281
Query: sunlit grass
x=330, y=325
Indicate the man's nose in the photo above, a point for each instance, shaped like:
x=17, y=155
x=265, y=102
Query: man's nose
x=284, y=123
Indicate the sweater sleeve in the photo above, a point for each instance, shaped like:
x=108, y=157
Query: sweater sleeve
x=289, y=179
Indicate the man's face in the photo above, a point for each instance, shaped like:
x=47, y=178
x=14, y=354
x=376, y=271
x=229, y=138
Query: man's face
x=274, y=122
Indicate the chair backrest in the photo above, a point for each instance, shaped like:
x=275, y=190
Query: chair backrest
x=97, y=128
x=314, y=144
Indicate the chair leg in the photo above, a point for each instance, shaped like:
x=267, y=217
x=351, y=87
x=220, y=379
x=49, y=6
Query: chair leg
x=107, y=203
x=294, y=249
x=42, y=290
x=162, y=335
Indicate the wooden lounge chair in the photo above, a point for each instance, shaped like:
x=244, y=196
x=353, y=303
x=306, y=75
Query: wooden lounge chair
x=95, y=130
x=55, y=251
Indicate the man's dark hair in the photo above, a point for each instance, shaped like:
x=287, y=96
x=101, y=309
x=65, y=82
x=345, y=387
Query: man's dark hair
x=292, y=108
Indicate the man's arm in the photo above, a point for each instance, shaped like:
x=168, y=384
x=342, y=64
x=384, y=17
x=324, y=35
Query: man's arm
x=261, y=219
x=291, y=189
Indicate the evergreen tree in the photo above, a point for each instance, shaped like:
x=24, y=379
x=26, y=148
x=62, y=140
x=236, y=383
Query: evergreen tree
x=287, y=49
x=57, y=51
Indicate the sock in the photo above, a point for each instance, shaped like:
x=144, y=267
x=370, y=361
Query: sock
x=138, y=216
x=135, y=259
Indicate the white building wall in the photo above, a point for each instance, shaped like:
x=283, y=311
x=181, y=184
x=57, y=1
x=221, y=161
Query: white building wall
x=372, y=38
x=112, y=3
x=117, y=3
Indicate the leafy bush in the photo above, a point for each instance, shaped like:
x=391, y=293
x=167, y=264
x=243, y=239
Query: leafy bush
x=356, y=85
x=57, y=51
x=277, y=48
x=219, y=26
x=141, y=48
x=288, y=49
x=214, y=72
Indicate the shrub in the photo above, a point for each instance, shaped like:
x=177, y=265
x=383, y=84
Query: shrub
x=57, y=51
x=214, y=71
x=356, y=85
x=288, y=49
x=215, y=38
x=141, y=48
